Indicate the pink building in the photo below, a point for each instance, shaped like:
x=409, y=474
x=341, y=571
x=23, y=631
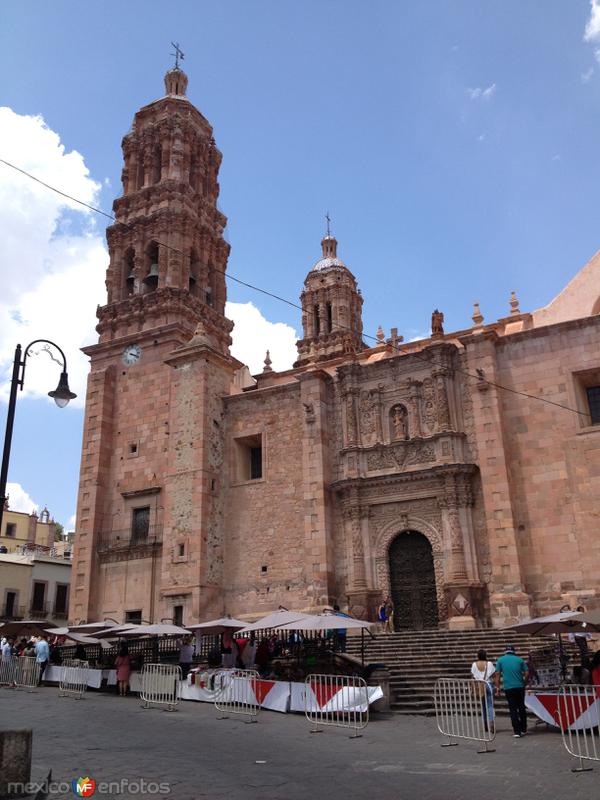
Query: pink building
x=397, y=469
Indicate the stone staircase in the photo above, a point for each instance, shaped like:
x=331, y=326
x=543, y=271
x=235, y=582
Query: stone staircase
x=416, y=659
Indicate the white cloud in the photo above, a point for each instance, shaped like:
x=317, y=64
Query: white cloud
x=52, y=277
x=72, y=520
x=19, y=500
x=482, y=94
x=587, y=75
x=592, y=28
x=253, y=335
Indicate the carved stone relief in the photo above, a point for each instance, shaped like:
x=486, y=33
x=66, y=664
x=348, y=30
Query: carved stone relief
x=428, y=406
x=400, y=455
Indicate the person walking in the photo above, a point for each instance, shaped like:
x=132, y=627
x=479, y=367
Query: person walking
x=123, y=667
x=186, y=656
x=382, y=614
x=389, y=616
x=42, y=655
x=8, y=662
x=482, y=671
x=514, y=678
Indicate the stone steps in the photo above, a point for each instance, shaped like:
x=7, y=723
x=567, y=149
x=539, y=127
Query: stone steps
x=416, y=659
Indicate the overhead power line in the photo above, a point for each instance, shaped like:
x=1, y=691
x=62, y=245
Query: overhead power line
x=479, y=376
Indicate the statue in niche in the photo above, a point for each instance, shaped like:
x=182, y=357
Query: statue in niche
x=399, y=420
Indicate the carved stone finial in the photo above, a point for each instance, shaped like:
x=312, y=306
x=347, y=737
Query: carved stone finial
x=437, y=323
x=380, y=335
x=268, y=362
x=514, y=304
x=477, y=316
x=200, y=336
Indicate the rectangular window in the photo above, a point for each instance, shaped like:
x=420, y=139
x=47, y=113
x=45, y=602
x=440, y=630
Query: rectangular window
x=60, y=599
x=178, y=615
x=255, y=463
x=593, y=398
x=249, y=458
x=140, y=525
x=11, y=530
x=134, y=617
x=10, y=605
x=39, y=597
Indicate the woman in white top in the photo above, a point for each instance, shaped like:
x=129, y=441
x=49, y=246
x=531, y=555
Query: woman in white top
x=482, y=670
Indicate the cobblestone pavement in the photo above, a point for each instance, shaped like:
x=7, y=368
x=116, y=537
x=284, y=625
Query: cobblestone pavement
x=110, y=738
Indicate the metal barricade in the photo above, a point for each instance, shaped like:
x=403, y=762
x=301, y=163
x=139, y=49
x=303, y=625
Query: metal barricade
x=27, y=673
x=74, y=676
x=236, y=693
x=464, y=709
x=338, y=700
x=579, y=715
x=8, y=673
x=160, y=686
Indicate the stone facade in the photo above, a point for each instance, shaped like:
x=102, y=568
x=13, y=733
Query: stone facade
x=429, y=471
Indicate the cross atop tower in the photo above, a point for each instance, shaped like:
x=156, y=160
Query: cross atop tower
x=328, y=218
x=178, y=54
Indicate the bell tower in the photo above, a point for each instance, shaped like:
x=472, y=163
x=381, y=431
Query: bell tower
x=167, y=252
x=331, y=309
x=146, y=418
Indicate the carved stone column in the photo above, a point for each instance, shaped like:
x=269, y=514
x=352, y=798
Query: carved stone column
x=351, y=419
x=376, y=394
x=462, y=595
x=414, y=402
x=362, y=601
x=442, y=404
x=353, y=525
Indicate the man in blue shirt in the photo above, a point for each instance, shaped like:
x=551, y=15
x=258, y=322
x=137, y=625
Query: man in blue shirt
x=42, y=656
x=514, y=677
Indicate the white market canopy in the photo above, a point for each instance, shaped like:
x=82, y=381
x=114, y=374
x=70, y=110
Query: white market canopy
x=321, y=622
x=562, y=622
x=220, y=625
x=160, y=629
x=274, y=620
x=93, y=626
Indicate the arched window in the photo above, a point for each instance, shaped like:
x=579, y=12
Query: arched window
x=129, y=271
x=317, y=313
x=151, y=277
x=329, y=318
x=398, y=422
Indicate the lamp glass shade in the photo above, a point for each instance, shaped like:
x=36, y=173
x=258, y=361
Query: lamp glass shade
x=62, y=394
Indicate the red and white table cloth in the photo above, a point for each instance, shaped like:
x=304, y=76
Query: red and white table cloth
x=578, y=712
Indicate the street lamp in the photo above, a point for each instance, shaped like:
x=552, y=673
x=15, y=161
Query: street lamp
x=62, y=394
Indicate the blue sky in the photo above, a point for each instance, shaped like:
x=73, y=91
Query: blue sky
x=454, y=144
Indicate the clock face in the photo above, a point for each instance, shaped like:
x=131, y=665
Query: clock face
x=132, y=354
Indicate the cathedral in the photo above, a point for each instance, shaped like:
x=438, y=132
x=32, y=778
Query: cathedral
x=458, y=475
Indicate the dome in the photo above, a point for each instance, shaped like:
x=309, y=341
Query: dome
x=332, y=262
x=329, y=259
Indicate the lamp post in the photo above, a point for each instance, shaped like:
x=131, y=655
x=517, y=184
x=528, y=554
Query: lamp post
x=62, y=394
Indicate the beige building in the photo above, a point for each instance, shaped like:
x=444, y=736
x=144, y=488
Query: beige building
x=34, y=584
x=459, y=474
x=19, y=529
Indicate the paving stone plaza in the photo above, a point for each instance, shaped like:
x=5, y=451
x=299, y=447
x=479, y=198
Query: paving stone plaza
x=199, y=756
